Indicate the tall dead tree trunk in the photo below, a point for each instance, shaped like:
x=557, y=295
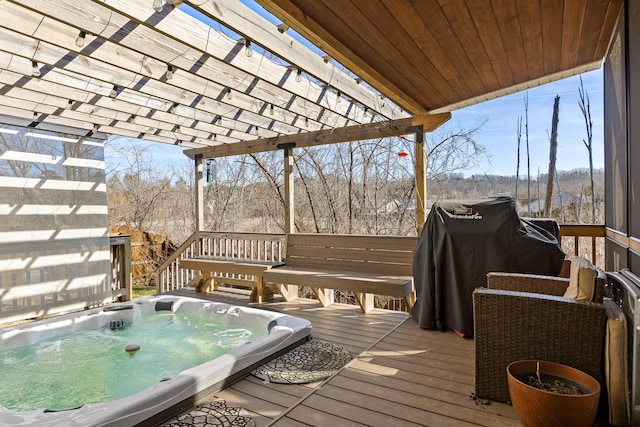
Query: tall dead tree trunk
x=526, y=138
x=553, y=150
x=518, y=159
x=585, y=107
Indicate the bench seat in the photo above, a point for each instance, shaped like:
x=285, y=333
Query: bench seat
x=210, y=264
x=364, y=265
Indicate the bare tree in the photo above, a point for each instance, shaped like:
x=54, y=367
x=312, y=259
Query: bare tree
x=137, y=189
x=519, y=137
x=553, y=149
x=526, y=137
x=585, y=107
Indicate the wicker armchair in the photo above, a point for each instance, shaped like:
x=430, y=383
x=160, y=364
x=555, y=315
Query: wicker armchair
x=521, y=316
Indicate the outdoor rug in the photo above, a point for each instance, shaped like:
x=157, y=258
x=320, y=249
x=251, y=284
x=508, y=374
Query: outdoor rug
x=213, y=414
x=313, y=361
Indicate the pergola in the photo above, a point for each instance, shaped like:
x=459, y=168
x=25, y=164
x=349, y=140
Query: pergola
x=219, y=79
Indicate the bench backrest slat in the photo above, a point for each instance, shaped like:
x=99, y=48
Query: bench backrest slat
x=392, y=255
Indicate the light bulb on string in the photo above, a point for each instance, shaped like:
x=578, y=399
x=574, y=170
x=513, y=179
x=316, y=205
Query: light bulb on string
x=80, y=39
x=247, y=49
x=170, y=71
x=228, y=93
x=157, y=5
x=35, y=71
x=299, y=76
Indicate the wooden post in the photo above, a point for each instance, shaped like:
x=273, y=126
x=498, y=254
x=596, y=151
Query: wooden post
x=199, y=200
x=289, y=207
x=421, y=179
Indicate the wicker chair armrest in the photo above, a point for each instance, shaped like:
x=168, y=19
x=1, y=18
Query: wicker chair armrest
x=512, y=326
x=534, y=283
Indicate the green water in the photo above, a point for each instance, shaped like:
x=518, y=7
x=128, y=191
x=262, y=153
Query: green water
x=92, y=366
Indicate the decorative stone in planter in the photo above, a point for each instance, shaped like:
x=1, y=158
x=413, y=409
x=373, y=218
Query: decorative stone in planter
x=537, y=407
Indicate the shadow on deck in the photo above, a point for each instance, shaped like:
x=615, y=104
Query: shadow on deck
x=400, y=375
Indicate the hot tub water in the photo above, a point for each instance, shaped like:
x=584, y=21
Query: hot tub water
x=53, y=373
x=75, y=370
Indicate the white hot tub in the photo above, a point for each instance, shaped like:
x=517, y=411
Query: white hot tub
x=156, y=338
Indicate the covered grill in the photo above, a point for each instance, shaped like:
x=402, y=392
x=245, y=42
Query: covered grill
x=460, y=243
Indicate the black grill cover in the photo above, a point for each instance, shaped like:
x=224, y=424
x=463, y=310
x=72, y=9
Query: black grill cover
x=460, y=243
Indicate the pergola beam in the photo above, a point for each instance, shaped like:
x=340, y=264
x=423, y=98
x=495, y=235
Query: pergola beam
x=249, y=24
x=375, y=130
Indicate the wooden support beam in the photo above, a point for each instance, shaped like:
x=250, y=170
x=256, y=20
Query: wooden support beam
x=421, y=184
x=199, y=200
x=289, y=199
x=375, y=130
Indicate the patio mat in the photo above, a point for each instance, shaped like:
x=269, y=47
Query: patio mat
x=213, y=414
x=313, y=361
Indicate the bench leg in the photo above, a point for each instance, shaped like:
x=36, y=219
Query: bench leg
x=288, y=292
x=324, y=296
x=258, y=292
x=205, y=282
x=365, y=301
x=410, y=300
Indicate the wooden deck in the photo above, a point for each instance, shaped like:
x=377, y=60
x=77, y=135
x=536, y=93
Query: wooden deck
x=401, y=374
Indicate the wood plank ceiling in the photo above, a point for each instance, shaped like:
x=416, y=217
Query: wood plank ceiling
x=146, y=69
x=440, y=55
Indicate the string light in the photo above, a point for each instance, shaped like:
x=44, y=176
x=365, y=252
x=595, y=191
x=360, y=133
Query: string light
x=271, y=110
x=69, y=103
x=35, y=71
x=299, y=76
x=132, y=118
x=282, y=27
x=80, y=39
x=95, y=128
x=339, y=98
x=173, y=108
x=170, y=71
x=114, y=92
x=306, y=122
x=228, y=93
x=247, y=49
x=157, y=5
x=35, y=116
x=215, y=136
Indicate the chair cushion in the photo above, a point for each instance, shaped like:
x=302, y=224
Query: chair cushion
x=616, y=367
x=581, y=280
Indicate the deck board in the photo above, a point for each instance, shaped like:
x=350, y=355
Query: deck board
x=401, y=374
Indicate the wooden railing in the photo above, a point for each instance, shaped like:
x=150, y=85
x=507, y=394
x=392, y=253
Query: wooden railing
x=582, y=239
x=586, y=240
x=254, y=246
x=121, y=267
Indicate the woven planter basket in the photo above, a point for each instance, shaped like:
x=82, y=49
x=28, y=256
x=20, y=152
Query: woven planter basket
x=536, y=407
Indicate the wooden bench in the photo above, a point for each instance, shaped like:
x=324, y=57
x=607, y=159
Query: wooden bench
x=210, y=264
x=364, y=265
